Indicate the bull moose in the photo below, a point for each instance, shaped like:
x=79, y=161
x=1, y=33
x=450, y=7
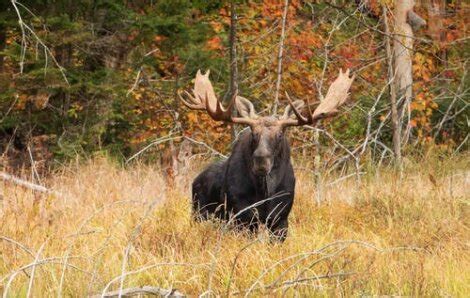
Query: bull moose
x=256, y=184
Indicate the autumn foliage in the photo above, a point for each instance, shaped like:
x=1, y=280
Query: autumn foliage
x=106, y=77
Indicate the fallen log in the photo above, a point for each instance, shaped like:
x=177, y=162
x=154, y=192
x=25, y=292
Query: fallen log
x=9, y=178
x=145, y=290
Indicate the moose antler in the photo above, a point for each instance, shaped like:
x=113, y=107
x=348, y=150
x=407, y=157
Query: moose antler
x=204, y=98
x=335, y=97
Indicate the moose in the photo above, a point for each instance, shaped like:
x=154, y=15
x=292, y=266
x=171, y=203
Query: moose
x=256, y=184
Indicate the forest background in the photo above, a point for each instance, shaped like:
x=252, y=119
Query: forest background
x=80, y=77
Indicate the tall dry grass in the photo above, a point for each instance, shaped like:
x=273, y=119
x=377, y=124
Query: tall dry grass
x=112, y=227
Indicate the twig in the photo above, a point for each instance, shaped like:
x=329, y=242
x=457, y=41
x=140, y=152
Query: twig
x=33, y=166
x=325, y=257
x=303, y=256
x=10, y=108
x=156, y=142
x=349, y=152
x=23, y=36
x=461, y=144
x=259, y=203
x=206, y=146
x=227, y=293
x=451, y=105
x=17, y=244
x=53, y=260
x=23, y=43
x=332, y=275
x=370, y=114
x=6, y=239
x=170, y=138
x=295, y=282
x=31, y=279
x=344, y=178
x=136, y=82
x=319, y=251
x=62, y=276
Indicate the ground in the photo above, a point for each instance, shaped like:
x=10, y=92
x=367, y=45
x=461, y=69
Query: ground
x=108, y=227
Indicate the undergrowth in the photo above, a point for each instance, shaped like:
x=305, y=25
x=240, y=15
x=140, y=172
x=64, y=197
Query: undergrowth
x=107, y=227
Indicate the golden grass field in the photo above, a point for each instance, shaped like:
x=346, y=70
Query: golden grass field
x=112, y=227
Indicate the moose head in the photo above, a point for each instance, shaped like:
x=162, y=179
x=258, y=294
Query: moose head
x=267, y=132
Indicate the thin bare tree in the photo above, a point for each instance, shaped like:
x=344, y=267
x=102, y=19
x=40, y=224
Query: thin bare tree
x=393, y=93
x=279, y=57
x=233, y=91
x=406, y=21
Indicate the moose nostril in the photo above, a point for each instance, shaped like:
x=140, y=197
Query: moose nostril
x=260, y=159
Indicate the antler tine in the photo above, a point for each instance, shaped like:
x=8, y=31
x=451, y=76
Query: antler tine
x=218, y=112
x=194, y=105
x=301, y=119
x=225, y=114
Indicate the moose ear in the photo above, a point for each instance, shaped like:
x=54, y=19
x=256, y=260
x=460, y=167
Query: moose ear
x=289, y=112
x=245, y=108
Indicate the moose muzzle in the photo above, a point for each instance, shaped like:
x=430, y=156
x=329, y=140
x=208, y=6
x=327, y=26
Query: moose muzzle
x=262, y=162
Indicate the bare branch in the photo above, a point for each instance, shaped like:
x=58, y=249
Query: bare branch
x=24, y=26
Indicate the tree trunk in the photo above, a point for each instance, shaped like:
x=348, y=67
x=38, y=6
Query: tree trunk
x=396, y=129
x=233, y=50
x=279, y=56
x=233, y=60
x=406, y=20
